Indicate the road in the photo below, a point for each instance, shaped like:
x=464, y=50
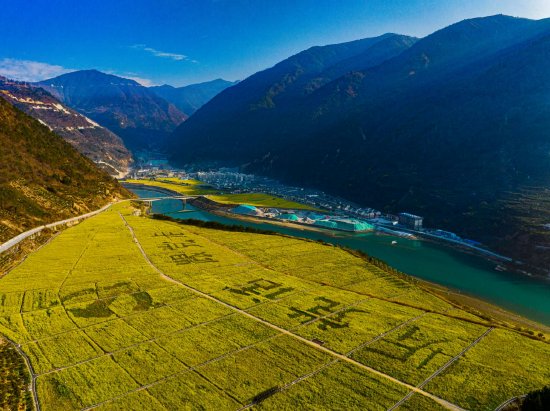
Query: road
x=508, y=402
x=17, y=239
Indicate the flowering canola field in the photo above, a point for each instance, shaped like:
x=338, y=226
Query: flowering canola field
x=126, y=312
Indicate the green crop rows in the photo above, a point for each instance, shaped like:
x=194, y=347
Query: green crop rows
x=240, y=319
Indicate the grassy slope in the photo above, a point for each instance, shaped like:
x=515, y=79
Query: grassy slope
x=192, y=187
x=99, y=323
x=42, y=177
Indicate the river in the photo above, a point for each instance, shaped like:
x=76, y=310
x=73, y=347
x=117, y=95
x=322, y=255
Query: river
x=469, y=274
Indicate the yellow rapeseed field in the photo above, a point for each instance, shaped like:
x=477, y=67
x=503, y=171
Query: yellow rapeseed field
x=127, y=312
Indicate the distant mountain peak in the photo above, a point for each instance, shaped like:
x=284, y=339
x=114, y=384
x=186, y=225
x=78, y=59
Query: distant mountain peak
x=191, y=97
x=91, y=76
x=95, y=142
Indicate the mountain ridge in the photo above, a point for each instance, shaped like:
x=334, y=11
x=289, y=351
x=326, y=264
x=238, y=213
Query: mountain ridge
x=256, y=99
x=43, y=178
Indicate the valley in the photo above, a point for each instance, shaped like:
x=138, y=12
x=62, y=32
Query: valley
x=450, y=126
x=314, y=205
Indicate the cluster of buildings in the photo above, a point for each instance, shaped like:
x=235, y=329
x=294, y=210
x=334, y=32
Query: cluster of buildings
x=305, y=217
x=343, y=215
x=231, y=180
x=228, y=179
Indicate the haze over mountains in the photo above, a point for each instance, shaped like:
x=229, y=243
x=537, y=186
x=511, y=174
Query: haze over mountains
x=452, y=126
x=189, y=99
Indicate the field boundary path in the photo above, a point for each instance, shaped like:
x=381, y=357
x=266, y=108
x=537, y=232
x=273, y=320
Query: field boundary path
x=335, y=354
x=336, y=360
x=442, y=368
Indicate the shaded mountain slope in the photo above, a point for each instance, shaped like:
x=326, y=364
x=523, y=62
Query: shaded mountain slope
x=42, y=177
x=272, y=101
x=125, y=107
x=453, y=128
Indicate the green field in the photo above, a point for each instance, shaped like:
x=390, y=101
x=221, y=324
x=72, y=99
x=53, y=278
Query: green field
x=194, y=188
x=214, y=319
x=185, y=187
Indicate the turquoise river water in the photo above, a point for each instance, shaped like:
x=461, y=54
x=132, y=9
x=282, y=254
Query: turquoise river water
x=468, y=274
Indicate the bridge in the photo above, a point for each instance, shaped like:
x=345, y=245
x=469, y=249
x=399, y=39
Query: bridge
x=149, y=201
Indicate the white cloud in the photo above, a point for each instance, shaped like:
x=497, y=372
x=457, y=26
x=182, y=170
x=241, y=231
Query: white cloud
x=141, y=80
x=161, y=54
x=27, y=70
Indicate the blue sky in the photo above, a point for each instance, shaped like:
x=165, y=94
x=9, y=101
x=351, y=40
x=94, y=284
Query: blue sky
x=186, y=41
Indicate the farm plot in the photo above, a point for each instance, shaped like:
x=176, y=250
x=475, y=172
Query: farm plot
x=414, y=352
x=194, y=188
x=11, y=303
x=324, y=305
x=337, y=387
x=326, y=265
x=357, y=325
x=234, y=320
x=250, y=373
x=501, y=366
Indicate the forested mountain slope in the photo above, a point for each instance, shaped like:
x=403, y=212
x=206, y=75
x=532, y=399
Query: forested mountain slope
x=43, y=178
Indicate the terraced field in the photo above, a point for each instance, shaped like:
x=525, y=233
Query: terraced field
x=126, y=312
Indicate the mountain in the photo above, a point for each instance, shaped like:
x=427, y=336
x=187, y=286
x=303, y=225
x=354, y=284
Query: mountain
x=42, y=177
x=252, y=113
x=123, y=106
x=97, y=143
x=453, y=128
x=189, y=99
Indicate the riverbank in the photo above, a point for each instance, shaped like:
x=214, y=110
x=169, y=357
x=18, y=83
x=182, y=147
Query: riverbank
x=222, y=209
x=485, y=308
x=464, y=273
